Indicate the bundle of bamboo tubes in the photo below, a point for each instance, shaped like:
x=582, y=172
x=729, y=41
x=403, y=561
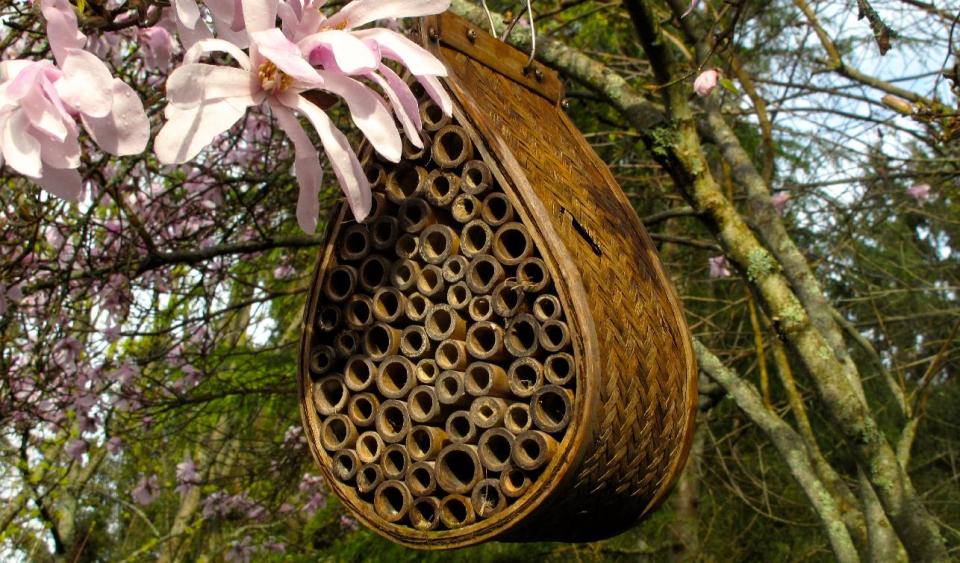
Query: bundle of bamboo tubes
x=442, y=371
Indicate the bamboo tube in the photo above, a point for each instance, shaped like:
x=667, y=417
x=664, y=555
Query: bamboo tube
x=525, y=377
x=514, y=482
x=480, y=308
x=456, y=511
x=533, y=449
x=322, y=359
x=451, y=355
x=337, y=433
x=378, y=203
x=414, y=342
x=476, y=177
x=330, y=395
x=522, y=335
x=443, y=323
x=384, y=232
x=476, y=237
x=345, y=465
x=396, y=377
x=460, y=429
x=425, y=513
x=369, y=478
x=376, y=175
x=487, y=412
x=405, y=181
x=395, y=461
x=392, y=501
x=362, y=409
x=516, y=418
x=413, y=153
x=508, y=299
x=495, y=448
x=551, y=408
x=465, y=208
x=485, y=341
x=427, y=371
x=512, y=244
x=454, y=269
x=340, y=283
x=547, y=308
x=404, y=274
x=421, y=478
x=442, y=188
x=393, y=421
x=423, y=404
x=483, y=274
x=408, y=246
x=452, y=146
x=328, y=318
x=346, y=343
x=389, y=304
x=554, y=336
x=458, y=468
x=438, y=243
x=356, y=243
x=432, y=116
x=425, y=442
x=459, y=296
x=559, y=368
x=482, y=379
x=415, y=215
x=374, y=272
x=418, y=307
x=533, y=274
x=430, y=281
x=369, y=447
x=487, y=499
x=359, y=373
x=359, y=312
x=381, y=340
x=496, y=209
x=450, y=388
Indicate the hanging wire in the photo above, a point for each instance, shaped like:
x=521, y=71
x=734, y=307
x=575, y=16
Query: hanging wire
x=533, y=33
x=493, y=28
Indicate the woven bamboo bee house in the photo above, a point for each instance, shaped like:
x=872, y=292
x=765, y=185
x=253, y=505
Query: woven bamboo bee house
x=496, y=353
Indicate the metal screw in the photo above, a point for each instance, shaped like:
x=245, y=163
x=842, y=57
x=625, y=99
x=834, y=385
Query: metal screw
x=432, y=33
x=565, y=103
x=538, y=74
x=472, y=35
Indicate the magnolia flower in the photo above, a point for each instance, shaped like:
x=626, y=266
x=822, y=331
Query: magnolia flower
x=146, y=491
x=157, y=47
x=187, y=474
x=76, y=449
x=919, y=192
x=690, y=8
x=114, y=445
x=719, y=267
x=40, y=101
x=779, y=201
x=706, y=82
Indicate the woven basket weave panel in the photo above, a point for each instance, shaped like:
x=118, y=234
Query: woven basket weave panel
x=648, y=374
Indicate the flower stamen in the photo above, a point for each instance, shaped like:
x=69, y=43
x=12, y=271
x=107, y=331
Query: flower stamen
x=272, y=79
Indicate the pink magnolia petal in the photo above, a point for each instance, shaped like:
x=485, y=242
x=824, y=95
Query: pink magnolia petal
x=44, y=116
x=369, y=113
x=399, y=99
x=85, y=85
x=188, y=131
x=410, y=104
x=273, y=45
x=397, y=47
x=362, y=12
x=207, y=46
x=225, y=14
x=693, y=4
x=350, y=54
x=126, y=130
x=353, y=180
x=64, y=183
x=65, y=154
x=197, y=83
x=306, y=167
x=259, y=15
x=21, y=150
x=437, y=93
x=190, y=25
x=62, y=30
